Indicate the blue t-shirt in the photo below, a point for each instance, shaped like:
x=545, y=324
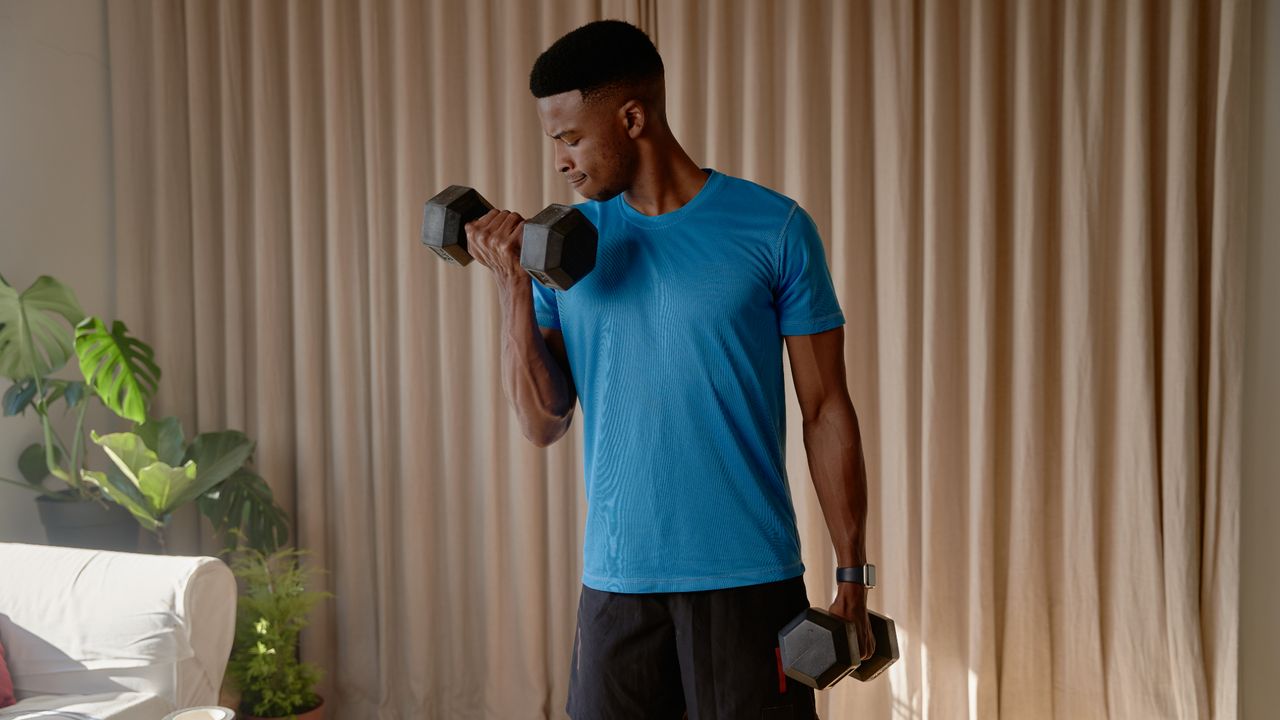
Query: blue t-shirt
x=675, y=345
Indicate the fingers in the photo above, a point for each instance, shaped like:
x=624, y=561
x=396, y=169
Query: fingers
x=510, y=223
x=480, y=223
x=476, y=231
x=493, y=237
x=494, y=219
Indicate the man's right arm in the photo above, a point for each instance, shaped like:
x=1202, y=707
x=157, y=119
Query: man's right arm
x=535, y=367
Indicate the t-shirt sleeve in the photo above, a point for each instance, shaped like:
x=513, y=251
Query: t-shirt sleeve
x=804, y=295
x=545, y=307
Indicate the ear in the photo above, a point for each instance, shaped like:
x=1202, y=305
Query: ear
x=632, y=116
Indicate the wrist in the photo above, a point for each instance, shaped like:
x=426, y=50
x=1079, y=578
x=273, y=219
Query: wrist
x=513, y=281
x=863, y=575
x=851, y=596
x=854, y=588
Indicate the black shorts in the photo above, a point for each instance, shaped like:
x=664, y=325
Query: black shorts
x=712, y=652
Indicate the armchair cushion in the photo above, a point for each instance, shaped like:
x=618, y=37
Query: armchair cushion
x=102, y=706
x=86, y=622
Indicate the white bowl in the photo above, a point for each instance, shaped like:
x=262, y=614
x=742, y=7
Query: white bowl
x=209, y=712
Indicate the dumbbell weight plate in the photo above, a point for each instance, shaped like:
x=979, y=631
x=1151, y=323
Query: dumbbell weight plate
x=885, y=654
x=819, y=648
x=444, y=219
x=559, y=246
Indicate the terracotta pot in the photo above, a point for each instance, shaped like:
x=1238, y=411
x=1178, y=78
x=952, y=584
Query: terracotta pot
x=315, y=713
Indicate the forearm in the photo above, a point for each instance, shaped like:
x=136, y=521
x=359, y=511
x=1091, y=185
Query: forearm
x=834, y=448
x=532, y=380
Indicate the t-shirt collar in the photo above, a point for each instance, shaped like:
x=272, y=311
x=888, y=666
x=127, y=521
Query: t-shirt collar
x=653, y=221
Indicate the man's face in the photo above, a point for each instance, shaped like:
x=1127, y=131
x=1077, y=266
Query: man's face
x=593, y=151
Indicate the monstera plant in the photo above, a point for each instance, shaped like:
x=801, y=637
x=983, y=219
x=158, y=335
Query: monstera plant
x=154, y=470
x=34, y=343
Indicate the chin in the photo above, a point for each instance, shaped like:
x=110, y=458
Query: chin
x=601, y=195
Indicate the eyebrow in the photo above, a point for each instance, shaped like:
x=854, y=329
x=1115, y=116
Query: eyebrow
x=562, y=133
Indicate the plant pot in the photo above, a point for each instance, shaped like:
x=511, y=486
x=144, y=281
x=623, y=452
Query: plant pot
x=87, y=524
x=315, y=713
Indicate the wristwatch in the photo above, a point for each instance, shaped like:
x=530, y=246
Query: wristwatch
x=861, y=574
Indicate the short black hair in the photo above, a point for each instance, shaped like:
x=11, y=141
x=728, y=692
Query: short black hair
x=595, y=59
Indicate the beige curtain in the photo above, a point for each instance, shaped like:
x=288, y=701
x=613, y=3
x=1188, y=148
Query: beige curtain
x=1034, y=217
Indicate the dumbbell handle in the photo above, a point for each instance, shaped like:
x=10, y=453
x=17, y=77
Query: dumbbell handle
x=543, y=253
x=886, y=650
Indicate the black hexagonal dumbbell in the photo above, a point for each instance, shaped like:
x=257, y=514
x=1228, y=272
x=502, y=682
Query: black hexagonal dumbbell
x=558, y=246
x=819, y=648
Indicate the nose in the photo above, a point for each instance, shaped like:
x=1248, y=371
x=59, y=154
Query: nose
x=563, y=162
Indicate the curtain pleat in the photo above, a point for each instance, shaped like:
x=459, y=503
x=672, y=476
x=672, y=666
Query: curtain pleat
x=1033, y=215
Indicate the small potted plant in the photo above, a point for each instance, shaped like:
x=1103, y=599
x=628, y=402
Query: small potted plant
x=265, y=668
x=37, y=338
x=154, y=470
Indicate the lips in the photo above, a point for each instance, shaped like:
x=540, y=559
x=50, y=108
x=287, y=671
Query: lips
x=577, y=180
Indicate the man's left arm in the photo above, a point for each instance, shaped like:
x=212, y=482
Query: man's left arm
x=834, y=448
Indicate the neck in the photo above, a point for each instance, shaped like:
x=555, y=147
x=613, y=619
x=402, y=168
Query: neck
x=668, y=179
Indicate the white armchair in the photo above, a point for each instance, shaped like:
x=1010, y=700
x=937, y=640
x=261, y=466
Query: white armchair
x=101, y=635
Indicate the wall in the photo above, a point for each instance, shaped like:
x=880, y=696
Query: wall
x=1260, y=494
x=55, y=185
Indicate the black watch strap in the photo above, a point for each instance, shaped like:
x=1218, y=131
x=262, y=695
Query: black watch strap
x=860, y=574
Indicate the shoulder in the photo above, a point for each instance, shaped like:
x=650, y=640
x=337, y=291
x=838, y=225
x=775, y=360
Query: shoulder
x=763, y=200
x=762, y=213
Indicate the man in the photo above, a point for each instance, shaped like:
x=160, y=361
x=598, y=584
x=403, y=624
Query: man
x=673, y=346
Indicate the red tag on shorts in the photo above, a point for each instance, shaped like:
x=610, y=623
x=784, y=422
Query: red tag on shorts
x=782, y=676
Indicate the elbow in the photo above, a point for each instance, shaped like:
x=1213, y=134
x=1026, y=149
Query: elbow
x=541, y=441
x=547, y=433
x=837, y=415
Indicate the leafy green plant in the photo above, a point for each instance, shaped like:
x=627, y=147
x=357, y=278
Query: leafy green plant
x=271, y=613
x=154, y=471
x=32, y=344
x=36, y=340
x=244, y=503
x=120, y=369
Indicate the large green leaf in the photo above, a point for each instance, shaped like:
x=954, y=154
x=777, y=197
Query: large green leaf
x=116, y=487
x=127, y=450
x=126, y=486
x=165, y=438
x=167, y=487
x=34, y=465
x=218, y=454
x=35, y=338
x=162, y=488
x=121, y=369
x=245, y=502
